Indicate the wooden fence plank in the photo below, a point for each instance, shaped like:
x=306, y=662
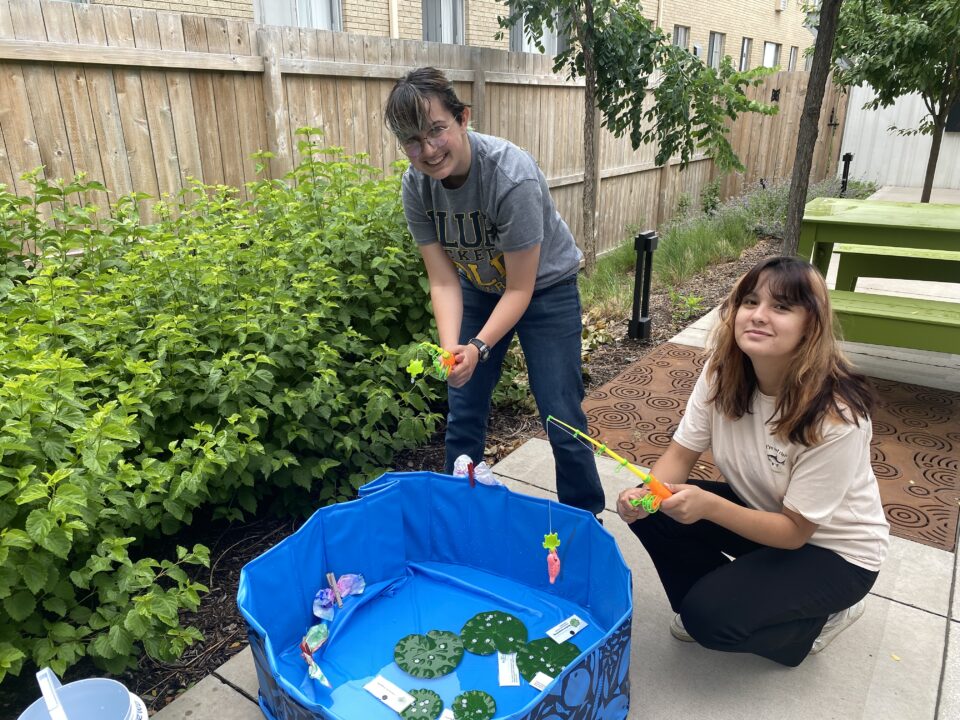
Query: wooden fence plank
x=370, y=52
x=249, y=110
x=225, y=96
x=156, y=97
x=16, y=121
x=104, y=104
x=204, y=104
x=294, y=89
x=133, y=112
x=328, y=90
x=275, y=104
x=119, y=57
x=43, y=94
x=348, y=120
x=181, y=102
x=358, y=96
x=7, y=179
x=75, y=101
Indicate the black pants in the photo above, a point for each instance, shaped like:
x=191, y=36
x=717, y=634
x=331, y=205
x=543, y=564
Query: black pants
x=767, y=601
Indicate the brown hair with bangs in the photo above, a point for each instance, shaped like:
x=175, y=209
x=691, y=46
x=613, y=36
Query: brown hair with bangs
x=405, y=112
x=820, y=384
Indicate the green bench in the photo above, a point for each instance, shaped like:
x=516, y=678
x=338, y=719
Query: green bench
x=857, y=261
x=912, y=241
x=898, y=321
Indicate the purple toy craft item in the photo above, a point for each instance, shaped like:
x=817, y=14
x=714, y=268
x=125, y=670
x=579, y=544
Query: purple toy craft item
x=327, y=597
x=481, y=472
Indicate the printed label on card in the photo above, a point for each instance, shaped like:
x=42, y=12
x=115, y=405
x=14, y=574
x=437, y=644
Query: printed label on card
x=567, y=629
x=389, y=694
x=541, y=680
x=507, y=664
x=447, y=714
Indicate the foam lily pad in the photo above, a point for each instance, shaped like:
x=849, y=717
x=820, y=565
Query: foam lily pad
x=474, y=705
x=494, y=631
x=429, y=656
x=427, y=705
x=546, y=656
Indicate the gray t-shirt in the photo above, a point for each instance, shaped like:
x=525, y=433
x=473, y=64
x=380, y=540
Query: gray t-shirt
x=503, y=206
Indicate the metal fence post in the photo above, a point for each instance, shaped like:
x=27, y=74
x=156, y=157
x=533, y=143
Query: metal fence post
x=644, y=243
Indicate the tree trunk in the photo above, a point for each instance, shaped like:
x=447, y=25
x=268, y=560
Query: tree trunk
x=589, y=141
x=932, y=160
x=809, y=123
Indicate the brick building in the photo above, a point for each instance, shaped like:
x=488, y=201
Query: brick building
x=751, y=32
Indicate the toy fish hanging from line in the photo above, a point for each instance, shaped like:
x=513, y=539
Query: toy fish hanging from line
x=551, y=542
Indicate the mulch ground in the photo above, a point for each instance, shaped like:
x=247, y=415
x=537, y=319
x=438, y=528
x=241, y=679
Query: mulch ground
x=233, y=545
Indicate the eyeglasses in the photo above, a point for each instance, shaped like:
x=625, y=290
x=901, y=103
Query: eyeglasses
x=436, y=138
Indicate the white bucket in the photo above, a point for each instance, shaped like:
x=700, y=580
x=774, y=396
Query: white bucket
x=93, y=699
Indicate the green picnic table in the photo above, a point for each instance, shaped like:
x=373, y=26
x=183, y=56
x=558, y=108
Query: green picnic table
x=875, y=238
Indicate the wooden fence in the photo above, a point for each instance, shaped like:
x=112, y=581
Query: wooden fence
x=143, y=100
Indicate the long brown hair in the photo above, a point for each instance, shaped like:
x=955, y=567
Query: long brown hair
x=820, y=383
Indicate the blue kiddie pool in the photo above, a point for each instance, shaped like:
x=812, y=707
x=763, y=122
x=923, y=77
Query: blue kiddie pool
x=442, y=561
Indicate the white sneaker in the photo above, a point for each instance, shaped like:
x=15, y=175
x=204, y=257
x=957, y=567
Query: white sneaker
x=836, y=624
x=679, y=631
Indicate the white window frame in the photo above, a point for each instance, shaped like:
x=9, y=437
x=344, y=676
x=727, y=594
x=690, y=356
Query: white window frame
x=553, y=42
x=443, y=21
x=715, y=49
x=771, y=54
x=792, y=58
x=319, y=14
x=746, y=50
x=681, y=36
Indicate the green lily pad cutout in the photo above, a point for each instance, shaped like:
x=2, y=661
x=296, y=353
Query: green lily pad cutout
x=494, y=631
x=429, y=656
x=546, y=656
x=427, y=705
x=474, y=705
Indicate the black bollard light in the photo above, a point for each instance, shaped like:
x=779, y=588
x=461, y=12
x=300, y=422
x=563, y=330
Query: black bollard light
x=847, y=159
x=644, y=243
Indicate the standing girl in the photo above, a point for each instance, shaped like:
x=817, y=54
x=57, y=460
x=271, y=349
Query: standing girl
x=500, y=260
x=788, y=423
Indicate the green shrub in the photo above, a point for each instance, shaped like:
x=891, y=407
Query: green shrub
x=710, y=197
x=230, y=354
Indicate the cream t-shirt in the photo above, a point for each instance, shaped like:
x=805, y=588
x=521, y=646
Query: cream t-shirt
x=831, y=484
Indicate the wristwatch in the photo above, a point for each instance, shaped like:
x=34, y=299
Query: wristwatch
x=481, y=347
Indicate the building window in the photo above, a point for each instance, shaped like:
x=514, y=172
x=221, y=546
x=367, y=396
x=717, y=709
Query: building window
x=746, y=48
x=681, y=36
x=771, y=54
x=715, y=49
x=554, y=41
x=443, y=21
x=321, y=14
x=808, y=62
x=792, y=61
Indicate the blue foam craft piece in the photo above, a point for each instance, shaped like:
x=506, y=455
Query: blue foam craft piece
x=435, y=552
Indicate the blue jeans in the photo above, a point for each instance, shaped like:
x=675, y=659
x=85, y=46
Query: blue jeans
x=549, y=332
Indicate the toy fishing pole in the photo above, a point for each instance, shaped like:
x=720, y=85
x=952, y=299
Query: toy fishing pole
x=658, y=491
x=442, y=361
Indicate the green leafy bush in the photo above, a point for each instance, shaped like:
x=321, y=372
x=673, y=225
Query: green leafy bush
x=231, y=354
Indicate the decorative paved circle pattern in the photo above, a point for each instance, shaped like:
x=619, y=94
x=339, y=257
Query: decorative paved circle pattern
x=915, y=450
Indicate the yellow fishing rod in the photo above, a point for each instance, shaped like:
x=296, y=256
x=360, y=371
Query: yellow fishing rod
x=658, y=491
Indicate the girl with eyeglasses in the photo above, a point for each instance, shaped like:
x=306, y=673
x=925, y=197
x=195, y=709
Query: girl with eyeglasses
x=500, y=260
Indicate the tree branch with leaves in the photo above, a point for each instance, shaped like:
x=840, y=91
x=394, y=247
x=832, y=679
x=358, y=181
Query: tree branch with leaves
x=900, y=48
x=622, y=57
